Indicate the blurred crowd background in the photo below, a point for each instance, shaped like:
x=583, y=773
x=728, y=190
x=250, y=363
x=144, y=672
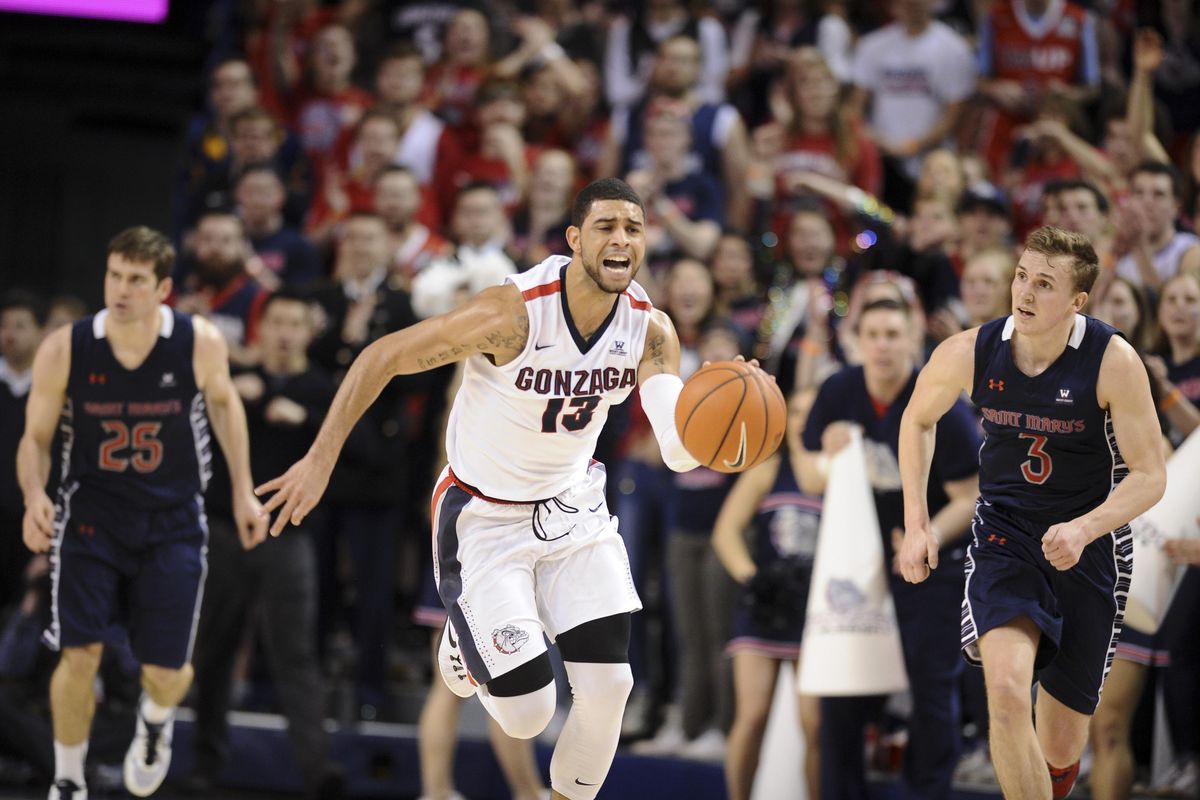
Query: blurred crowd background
x=332, y=172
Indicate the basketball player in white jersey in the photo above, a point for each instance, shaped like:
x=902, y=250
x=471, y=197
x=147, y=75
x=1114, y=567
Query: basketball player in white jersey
x=523, y=541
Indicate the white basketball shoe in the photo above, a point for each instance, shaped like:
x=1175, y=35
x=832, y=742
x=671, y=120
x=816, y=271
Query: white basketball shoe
x=149, y=756
x=450, y=662
x=68, y=790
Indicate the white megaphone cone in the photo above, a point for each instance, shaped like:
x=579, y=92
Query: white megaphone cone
x=851, y=640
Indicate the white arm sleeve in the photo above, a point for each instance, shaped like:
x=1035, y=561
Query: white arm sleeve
x=659, y=395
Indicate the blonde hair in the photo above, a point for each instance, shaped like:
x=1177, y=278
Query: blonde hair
x=1052, y=242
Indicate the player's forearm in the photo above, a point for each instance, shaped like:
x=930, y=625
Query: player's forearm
x=916, y=455
x=1133, y=497
x=228, y=420
x=33, y=466
x=369, y=373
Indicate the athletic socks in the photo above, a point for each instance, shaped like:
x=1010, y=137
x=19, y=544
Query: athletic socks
x=153, y=713
x=1062, y=779
x=68, y=762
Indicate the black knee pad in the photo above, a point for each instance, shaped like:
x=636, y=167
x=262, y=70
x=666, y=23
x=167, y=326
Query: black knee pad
x=599, y=641
x=527, y=678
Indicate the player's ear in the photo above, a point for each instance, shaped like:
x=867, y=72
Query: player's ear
x=1080, y=301
x=164, y=289
x=573, y=234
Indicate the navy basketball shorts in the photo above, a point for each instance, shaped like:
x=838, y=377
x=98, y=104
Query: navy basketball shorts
x=120, y=575
x=1079, y=611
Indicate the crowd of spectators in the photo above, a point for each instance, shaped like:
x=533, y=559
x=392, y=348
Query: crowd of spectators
x=361, y=165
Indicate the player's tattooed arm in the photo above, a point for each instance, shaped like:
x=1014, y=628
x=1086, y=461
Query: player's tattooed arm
x=661, y=353
x=505, y=341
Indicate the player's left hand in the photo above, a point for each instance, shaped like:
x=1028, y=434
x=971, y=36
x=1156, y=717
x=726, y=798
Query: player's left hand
x=1063, y=544
x=918, y=553
x=296, y=493
x=251, y=525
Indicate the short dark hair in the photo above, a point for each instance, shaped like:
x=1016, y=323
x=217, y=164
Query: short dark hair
x=402, y=51
x=475, y=186
x=1052, y=242
x=284, y=295
x=603, y=189
x=1078, y=185
x=143, y=245
x=259, y=166
x=231, y=59
x=1149, y=167
x=252, y=114
x=886, y=304
x=396, y=169
x=23, y=300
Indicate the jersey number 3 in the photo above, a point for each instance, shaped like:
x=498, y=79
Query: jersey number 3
x=142, y=440
x=575, y=420
x=1037, y=471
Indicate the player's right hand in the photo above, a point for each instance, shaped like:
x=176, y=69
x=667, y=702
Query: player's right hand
x=297, y=492
x=37, y=528
x=918, y=554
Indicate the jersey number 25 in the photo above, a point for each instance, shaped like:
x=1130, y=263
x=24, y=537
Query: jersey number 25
x=147, y=450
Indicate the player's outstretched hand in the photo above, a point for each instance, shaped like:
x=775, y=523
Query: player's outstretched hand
x=296, y=493
x=1063, y=544
x=919, y=552
x=251, y=524
x=37, y=528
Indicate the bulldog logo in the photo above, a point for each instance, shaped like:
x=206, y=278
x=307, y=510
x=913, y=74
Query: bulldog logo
x=509, y=639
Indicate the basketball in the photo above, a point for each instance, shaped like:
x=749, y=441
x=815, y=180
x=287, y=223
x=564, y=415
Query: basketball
x=730, y=416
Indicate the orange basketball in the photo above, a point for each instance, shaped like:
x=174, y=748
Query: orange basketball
x=730, y=416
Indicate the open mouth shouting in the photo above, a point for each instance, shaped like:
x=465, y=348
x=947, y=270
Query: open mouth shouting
x=617, y=264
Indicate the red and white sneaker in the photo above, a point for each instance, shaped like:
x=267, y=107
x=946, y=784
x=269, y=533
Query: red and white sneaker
x=450, y=662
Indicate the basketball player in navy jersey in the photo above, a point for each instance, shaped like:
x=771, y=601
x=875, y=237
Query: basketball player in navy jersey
x=1072, y=453
x=523, y=541
x=127, y=536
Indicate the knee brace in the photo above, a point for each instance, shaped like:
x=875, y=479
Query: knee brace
x=588, y=741
x=524, y=700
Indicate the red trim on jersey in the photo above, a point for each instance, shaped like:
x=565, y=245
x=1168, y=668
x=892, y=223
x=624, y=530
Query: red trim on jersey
x=541, y=291
x=471, y=490
x=640, y=305
x=437, y=498
x=881, y=408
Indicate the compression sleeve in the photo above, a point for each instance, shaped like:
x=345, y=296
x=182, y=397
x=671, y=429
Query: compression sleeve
x=659, y=395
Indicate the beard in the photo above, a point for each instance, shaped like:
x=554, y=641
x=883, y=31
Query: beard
x=606, y=279
x=217, y=271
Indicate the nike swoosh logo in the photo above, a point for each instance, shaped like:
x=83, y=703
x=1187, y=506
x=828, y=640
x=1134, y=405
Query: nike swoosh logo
x=593, y=510
x=450, y=633
x=581, y=783
x=542, y=346
x=738, y=462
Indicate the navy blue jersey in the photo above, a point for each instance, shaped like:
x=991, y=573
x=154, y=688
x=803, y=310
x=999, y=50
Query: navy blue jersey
x=787, y=521
x=136, y=439
x=844, y=397
x=1049, y=453
x=694, y=499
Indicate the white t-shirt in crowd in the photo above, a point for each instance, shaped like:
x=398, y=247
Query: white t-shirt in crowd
x=913, y=78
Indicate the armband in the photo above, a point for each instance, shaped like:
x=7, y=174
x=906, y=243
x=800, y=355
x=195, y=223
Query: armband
x=659, y=394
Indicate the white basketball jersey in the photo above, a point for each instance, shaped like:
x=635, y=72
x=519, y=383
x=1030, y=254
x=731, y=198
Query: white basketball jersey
x=526, y=431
